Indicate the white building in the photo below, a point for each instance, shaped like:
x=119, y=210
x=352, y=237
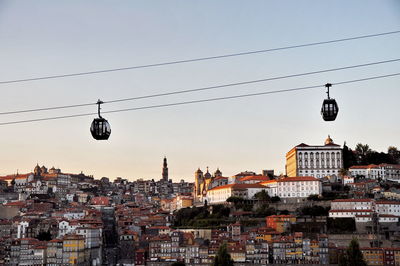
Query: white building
x=384, y=218
x=74, y=214
x=352, y=204
x=349, y=213
x=92, y=234
x=298, y=187
x=66, y=227
x=271, y=187
x=221, y=194
x=21, y=229
x=373, y=171
x=348, y=180
x=388, y=207
x=315, y=160
x=352, y=208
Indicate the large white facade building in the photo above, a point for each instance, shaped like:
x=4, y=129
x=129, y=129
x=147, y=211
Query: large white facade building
x=298, y=187
x=317, y=161
x=293, y=187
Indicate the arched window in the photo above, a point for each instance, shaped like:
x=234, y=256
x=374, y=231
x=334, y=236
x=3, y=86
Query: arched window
x=306, y=159
x=338, y=159
x=333, y=159
x=311, y=159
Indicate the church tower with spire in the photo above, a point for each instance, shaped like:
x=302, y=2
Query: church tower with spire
x=165, y=170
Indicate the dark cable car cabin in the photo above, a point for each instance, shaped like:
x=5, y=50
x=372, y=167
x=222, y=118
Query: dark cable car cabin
x=329, y=108
x=100, y=127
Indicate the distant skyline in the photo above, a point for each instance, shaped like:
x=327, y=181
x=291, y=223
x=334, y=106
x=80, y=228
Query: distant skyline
x=40, y=38
x=174, y=178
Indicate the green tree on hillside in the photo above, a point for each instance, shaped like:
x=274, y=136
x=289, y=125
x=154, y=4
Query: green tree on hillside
x=394, y=154
x=353, y=255
x=223, y=258
x=262, y=195
x=362, y=151
x=178, y=263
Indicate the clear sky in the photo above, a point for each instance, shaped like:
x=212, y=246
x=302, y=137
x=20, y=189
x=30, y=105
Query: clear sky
x=39, y=38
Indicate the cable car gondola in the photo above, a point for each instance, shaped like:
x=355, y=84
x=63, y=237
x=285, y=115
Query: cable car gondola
x=100, y=127
x=329, y=108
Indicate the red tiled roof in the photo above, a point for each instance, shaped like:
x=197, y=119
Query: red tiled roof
x=364, y=166
x=160, y=227
x=10, y=177
x=352, y=200
x=238, y=186
x=388, y=202
x=100, y=201
x=281, y=216
x=298, y=178
x=353, y=210
x=255, y=177
x=268, y=182
x=16, y=203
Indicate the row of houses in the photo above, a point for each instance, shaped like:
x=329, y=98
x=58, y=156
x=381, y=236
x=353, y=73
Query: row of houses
x=68, y=250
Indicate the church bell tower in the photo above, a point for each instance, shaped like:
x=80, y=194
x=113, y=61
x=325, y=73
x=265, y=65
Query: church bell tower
x=165, y=170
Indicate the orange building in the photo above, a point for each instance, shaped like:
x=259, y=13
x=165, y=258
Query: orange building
x=280, y=223
x=373, y=256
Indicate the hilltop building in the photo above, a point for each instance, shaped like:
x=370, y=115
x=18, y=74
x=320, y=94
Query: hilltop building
x=381, y=171
x=315, y=160
x=204, y=182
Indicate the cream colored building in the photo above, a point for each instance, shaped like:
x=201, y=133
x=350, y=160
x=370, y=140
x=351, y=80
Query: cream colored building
x=298, y=187
x=317, y=161
x=221, y=194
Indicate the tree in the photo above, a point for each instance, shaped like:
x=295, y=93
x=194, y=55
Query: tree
x=275, y=199
x=264, y=210
x=313, y=197
x=362, y=152
x=341, y=225
x=235, y=199
x=353, y=255
x=44, y=236
x=262, y=195
x=315, y=211
x=394, y=154
x=349, y=157
x=178, y=263
x=343, y=172
x=223, y=258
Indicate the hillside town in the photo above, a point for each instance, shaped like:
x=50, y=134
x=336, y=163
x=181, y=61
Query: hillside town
x=309, y=215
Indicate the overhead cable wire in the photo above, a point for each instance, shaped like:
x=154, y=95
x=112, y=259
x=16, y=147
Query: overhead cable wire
x=201, y=101
x=203, y=88
x=199, y=58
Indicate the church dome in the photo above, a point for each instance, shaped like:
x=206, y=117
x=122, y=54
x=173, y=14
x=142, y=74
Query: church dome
x=328, y=141
x=43, y=169
x=199, y=171
x=217, y=173
x=37, y=170
x=207, y=175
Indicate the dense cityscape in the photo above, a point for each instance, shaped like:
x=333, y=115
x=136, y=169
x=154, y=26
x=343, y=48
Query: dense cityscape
x=330, y=197
x=199, y=133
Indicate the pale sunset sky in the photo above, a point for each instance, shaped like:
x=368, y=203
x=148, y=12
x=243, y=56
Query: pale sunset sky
x=45, y=37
